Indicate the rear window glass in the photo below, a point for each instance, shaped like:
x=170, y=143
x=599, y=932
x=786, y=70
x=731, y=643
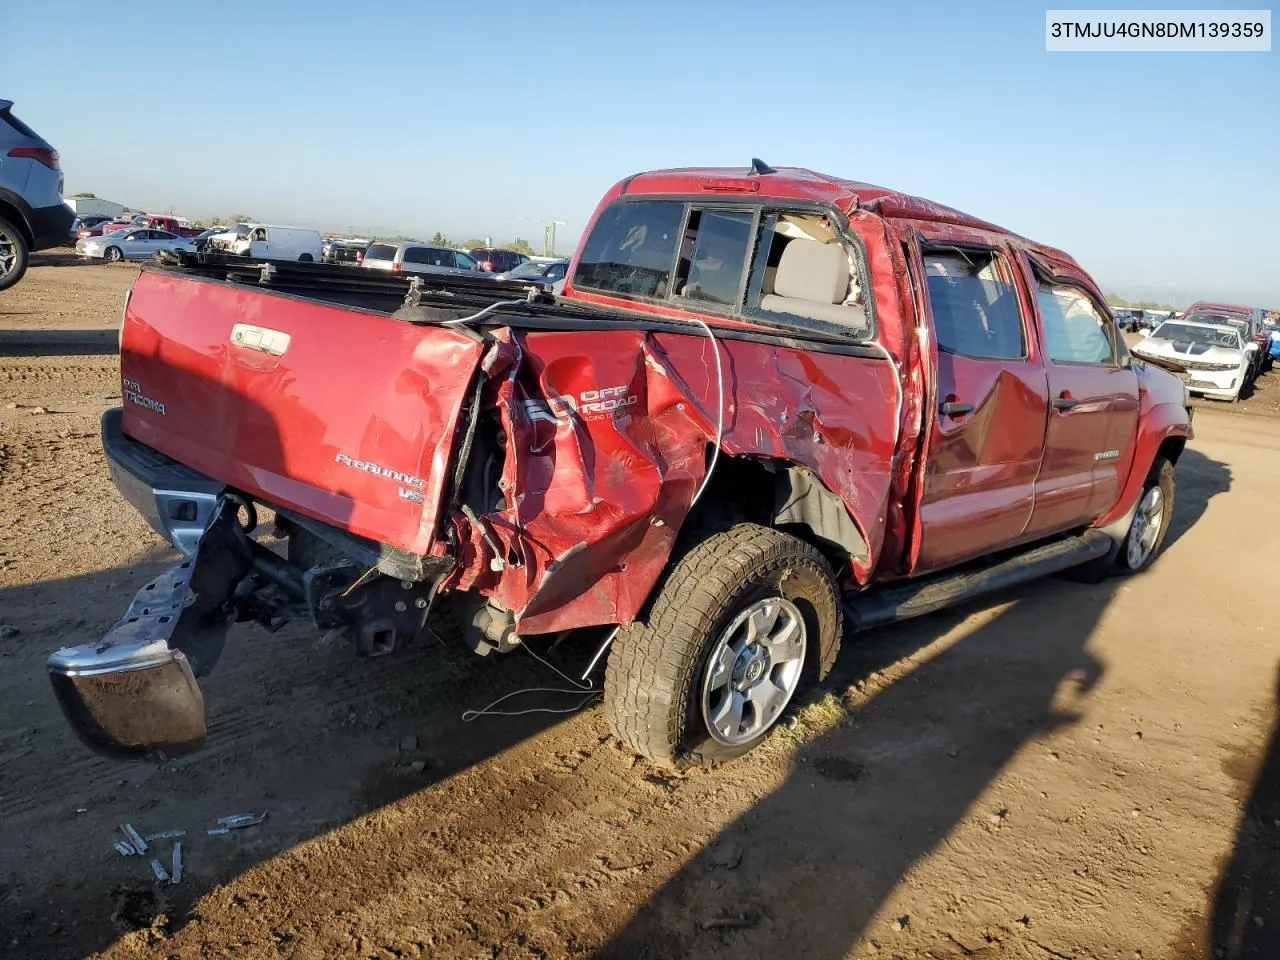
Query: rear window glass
x=631, y=249
x=18, y=125
x=713, y=256
x=380, y=251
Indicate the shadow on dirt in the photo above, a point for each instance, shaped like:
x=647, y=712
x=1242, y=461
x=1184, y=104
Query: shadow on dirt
x=317, y=738
x=1246, y=908
x=873, y=796
x=58, y=343
x=310, y=734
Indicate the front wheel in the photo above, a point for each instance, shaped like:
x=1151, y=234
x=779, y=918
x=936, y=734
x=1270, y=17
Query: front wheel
x=113, y=255
x=1151, y=521
x=306, y=258
x=741, y=621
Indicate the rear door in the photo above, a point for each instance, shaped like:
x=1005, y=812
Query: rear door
x=1093, y=398
x=987, y=435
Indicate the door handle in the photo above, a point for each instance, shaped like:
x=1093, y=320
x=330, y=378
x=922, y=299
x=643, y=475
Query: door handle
x=1064, y=402
x=953, y=408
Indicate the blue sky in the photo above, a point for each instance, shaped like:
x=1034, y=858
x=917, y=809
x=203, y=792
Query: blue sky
x=1159, y=172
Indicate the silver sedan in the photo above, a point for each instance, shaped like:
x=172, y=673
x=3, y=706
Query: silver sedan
x=133, y=243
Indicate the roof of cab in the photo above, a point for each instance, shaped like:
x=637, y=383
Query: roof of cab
x=798, y=183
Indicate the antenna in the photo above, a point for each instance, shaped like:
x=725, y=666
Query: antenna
x=759, y=168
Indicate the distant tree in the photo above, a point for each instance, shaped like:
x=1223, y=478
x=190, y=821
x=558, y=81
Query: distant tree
x=84, y=196
x=520, y=246
x=440, y=238
x=472, y=244
x=1115, y=300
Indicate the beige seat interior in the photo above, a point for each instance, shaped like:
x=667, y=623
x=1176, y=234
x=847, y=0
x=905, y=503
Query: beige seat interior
x=812, y=278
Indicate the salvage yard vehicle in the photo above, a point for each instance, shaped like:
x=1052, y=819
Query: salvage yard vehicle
x=1211, y=360
x=770, y=405
x=32, y=214
x=1246, y=320
x=268, y=241
x=135, y=243
x=170, y=225
x=414, y=257
x=495, y=260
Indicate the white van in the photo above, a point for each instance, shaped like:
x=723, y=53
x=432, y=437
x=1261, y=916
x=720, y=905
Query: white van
x=270, y=242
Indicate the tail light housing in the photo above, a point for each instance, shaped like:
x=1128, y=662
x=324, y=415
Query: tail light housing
x=45, y=155
x=359, y=257
x=395, y=267
x=486, y=265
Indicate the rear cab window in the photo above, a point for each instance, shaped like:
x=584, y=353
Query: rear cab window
x=631, y=249
x=779, y=266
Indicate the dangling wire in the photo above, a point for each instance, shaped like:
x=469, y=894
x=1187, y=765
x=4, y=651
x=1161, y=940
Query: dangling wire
x=586, y=690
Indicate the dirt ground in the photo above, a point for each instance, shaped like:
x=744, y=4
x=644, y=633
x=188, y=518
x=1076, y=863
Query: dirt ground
x=1066, y=773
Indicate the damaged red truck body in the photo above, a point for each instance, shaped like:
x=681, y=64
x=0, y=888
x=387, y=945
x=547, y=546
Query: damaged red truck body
x=769, y=408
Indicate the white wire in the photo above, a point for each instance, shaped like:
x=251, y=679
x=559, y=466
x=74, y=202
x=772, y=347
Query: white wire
x=715, y=450
x=586, y=690
x=485, y=312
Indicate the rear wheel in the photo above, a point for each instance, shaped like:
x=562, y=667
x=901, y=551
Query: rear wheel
x=742, y=620
x=306, y=258
x=113, y=254
x=13, y=254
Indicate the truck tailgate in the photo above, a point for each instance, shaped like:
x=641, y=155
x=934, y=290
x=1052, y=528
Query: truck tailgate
x=345, y=416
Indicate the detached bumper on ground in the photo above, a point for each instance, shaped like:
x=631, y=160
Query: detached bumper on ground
x=134, y=693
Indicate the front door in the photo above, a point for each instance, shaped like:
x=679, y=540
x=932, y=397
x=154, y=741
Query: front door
x=987, y=438
x=1093, y=419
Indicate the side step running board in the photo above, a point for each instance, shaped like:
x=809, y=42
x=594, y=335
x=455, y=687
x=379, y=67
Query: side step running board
x=917, y=598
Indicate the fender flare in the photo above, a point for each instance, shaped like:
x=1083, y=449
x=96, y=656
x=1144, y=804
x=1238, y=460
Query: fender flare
x=1159, y=425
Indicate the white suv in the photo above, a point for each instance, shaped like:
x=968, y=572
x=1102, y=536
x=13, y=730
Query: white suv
x=419, y=258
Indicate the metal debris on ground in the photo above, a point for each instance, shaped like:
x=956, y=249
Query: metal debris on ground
x=124, y=849
x=237, y=820
x=158, y=869
x=218, y=831
x=134, y=838
x=175, y=869
x=165, y=835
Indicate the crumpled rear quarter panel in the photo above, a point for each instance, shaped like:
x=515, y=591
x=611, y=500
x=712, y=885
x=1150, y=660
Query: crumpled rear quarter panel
x=596, y=497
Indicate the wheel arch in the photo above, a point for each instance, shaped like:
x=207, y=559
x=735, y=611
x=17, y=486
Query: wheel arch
x=11, y=211
x=1164, y=433
x=783, y=495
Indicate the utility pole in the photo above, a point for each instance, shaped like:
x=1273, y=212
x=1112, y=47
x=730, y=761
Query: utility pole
x=549, y=237
x=548, y=232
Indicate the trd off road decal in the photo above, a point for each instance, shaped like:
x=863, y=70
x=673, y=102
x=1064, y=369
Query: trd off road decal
x=589, y=404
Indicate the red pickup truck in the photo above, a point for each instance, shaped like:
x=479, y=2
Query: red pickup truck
x=170, y=224
x=771, y=407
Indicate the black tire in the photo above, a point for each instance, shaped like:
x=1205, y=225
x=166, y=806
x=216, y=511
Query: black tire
x=113, y=254
x=1117, y=562
x=14, y=254
x=1160, y=478
x=306, y=258
x=656, y=669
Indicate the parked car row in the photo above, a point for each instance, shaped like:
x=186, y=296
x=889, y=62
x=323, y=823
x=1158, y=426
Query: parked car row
x=1218, y=350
